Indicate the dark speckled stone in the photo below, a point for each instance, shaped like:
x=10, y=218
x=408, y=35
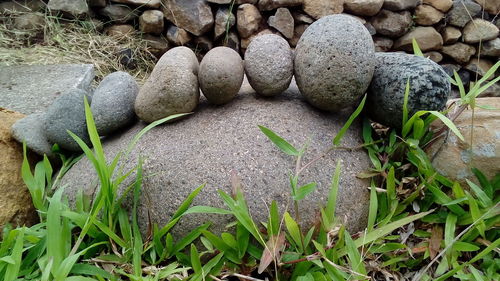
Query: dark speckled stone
x=428, y=83
x=207, y=145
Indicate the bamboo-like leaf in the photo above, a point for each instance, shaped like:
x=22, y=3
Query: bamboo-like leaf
x=304, y=190
x=274, y=219
x=372, y=214
x=416, y=49
x=448, y=123
x=476, y=214
x=354, y=115
x=282, y=144
x=484, y=200
x=195, y=259
x=354, y=255
x=189, y=238
x=294, y=231
x=449, y=230
x=331, y=203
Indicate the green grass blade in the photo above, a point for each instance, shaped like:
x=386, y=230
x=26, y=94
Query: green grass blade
x=274, y=220
x=187, y=202
x=416, y=49
x=304, y=190
x=12, y=271
x=189, y=238
x=405, y=101
x=294, y=230
x=282, y=144
x=372, y=215
x=354, y=255
x=448, y=123
x=460, y=86
x=195, y=260
x=331, y=203
x=484, y=200
x=354, y=115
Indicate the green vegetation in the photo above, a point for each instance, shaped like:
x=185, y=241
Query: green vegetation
x=421, y=225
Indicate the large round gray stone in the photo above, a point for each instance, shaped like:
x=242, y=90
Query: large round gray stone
x=429, y=87
x=208, y=145
x=269, y=64
x=67, y=113
x=113, y=102
x=221, y=74
x=334, y=62
x=171, y=88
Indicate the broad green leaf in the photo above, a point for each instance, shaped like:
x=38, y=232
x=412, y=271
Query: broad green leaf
x=294, y=231
x=331, y=203
x=207, y=210
x=484, y=200
x=448, y=123
x=372, y=214
x=465, y=247
x=17, y=251
x=476, y=214
x=282, y=144
x=416, y=49
x=354, y=115
x=195, y=259
x=304, y=190
x=274, y=219
x=449, y=230
x=189, y=238
x=354, y=255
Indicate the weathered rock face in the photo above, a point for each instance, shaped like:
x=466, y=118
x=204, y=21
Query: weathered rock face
x=427, y=38
x=67, y=113
x=113, y=102
x=224, y=19
x=427, y=15
x=31, y=130
x=491, y=48
x=171, y=88
x=178, y=36
x=142, y=3
x=490, y=6
x=334, y=62
x=363, y=7
x=462, y=11
x=442, y=5
x=480, y=30
x=248, y=20
x=194, y=16
x=479, y=66
x=118, y=13
x=119, y=30
x=399, y=5
x=283, y=22
x=459, y=52
x=392, y=24
x=178, y=159
x=429, y=87
x=269, y=64
x=151, y=21
x=453, y=157
x=451, y=34
x=321, y=8
x=268, y=5
x=221, y=74
x=15, y=201
x=73, y=8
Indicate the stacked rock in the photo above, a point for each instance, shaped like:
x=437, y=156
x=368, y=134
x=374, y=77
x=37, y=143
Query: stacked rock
x=112, y=106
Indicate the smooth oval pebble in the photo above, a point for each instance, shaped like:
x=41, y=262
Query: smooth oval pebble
x=171, y=88
x=221, y=75
x=113, y=102
x=269, y=64
x=429, y=87
x=67, y=113
x=334, y=62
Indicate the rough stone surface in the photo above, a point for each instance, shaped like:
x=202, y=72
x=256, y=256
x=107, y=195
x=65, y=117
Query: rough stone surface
x=224, y=19
x=453, y=157
x=119, y=30
x=73, y=8
x=382, y=44
x=479, y=30
x=429, y=87
x=171, y=88
x=283, y=22
x=179, y=159
x=118, y=13
x=491, y=48
x=321, y=8
x=426, y=36
x=459, y=52
x=479, y=66
x=151, y=21
x=29, y=21
x=248, y=20
x=22, y=6
x=142, y=3
x=400, y=5
x=113, y=102
x=334, y=62
x=52, y=80
x=221, y=74
x=493, y=91
x=442, y=5
x=392, y=24
x=178, y=36
x=462, y=11
x=31, y=129
x=297, y=33
x=451, y=35
x=363, y=7
x=269, y=64
x=246, y=41
x=490, y=6
x=156, y=45
x=300, y=17
x=436, y=57
x=15, y=201
x=194, y=16
x=268, y=5
x=427, y=15
x=67, y=112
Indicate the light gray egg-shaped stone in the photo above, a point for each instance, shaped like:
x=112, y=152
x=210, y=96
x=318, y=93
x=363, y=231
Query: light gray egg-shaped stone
x=67, y=113
x=334, y=62
x=171, y=88
x=269, y=64
x=113, y=102
x=221, y=75
x=429, y=87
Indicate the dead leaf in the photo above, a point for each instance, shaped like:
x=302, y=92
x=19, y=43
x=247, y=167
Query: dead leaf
x=272, y=251
x=435, y=241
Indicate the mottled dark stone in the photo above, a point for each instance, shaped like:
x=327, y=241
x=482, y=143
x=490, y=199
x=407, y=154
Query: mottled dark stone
x=429, y=87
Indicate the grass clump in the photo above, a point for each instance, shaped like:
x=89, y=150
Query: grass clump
x=72, y=41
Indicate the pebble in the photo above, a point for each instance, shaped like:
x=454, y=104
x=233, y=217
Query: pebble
x=31, y=130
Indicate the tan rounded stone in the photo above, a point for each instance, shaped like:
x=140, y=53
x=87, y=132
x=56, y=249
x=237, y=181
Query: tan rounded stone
x=427, y=15
x=427, y=38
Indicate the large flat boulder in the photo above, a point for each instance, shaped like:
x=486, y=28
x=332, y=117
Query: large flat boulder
x=208, y=145
x=32, y=88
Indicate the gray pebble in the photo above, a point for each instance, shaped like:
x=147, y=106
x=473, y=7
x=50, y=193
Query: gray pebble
x=31, y=130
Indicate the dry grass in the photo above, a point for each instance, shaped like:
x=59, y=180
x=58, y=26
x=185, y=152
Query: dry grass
x=77, y=41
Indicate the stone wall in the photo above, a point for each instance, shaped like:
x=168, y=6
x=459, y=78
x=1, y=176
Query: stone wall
x=453, y=33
